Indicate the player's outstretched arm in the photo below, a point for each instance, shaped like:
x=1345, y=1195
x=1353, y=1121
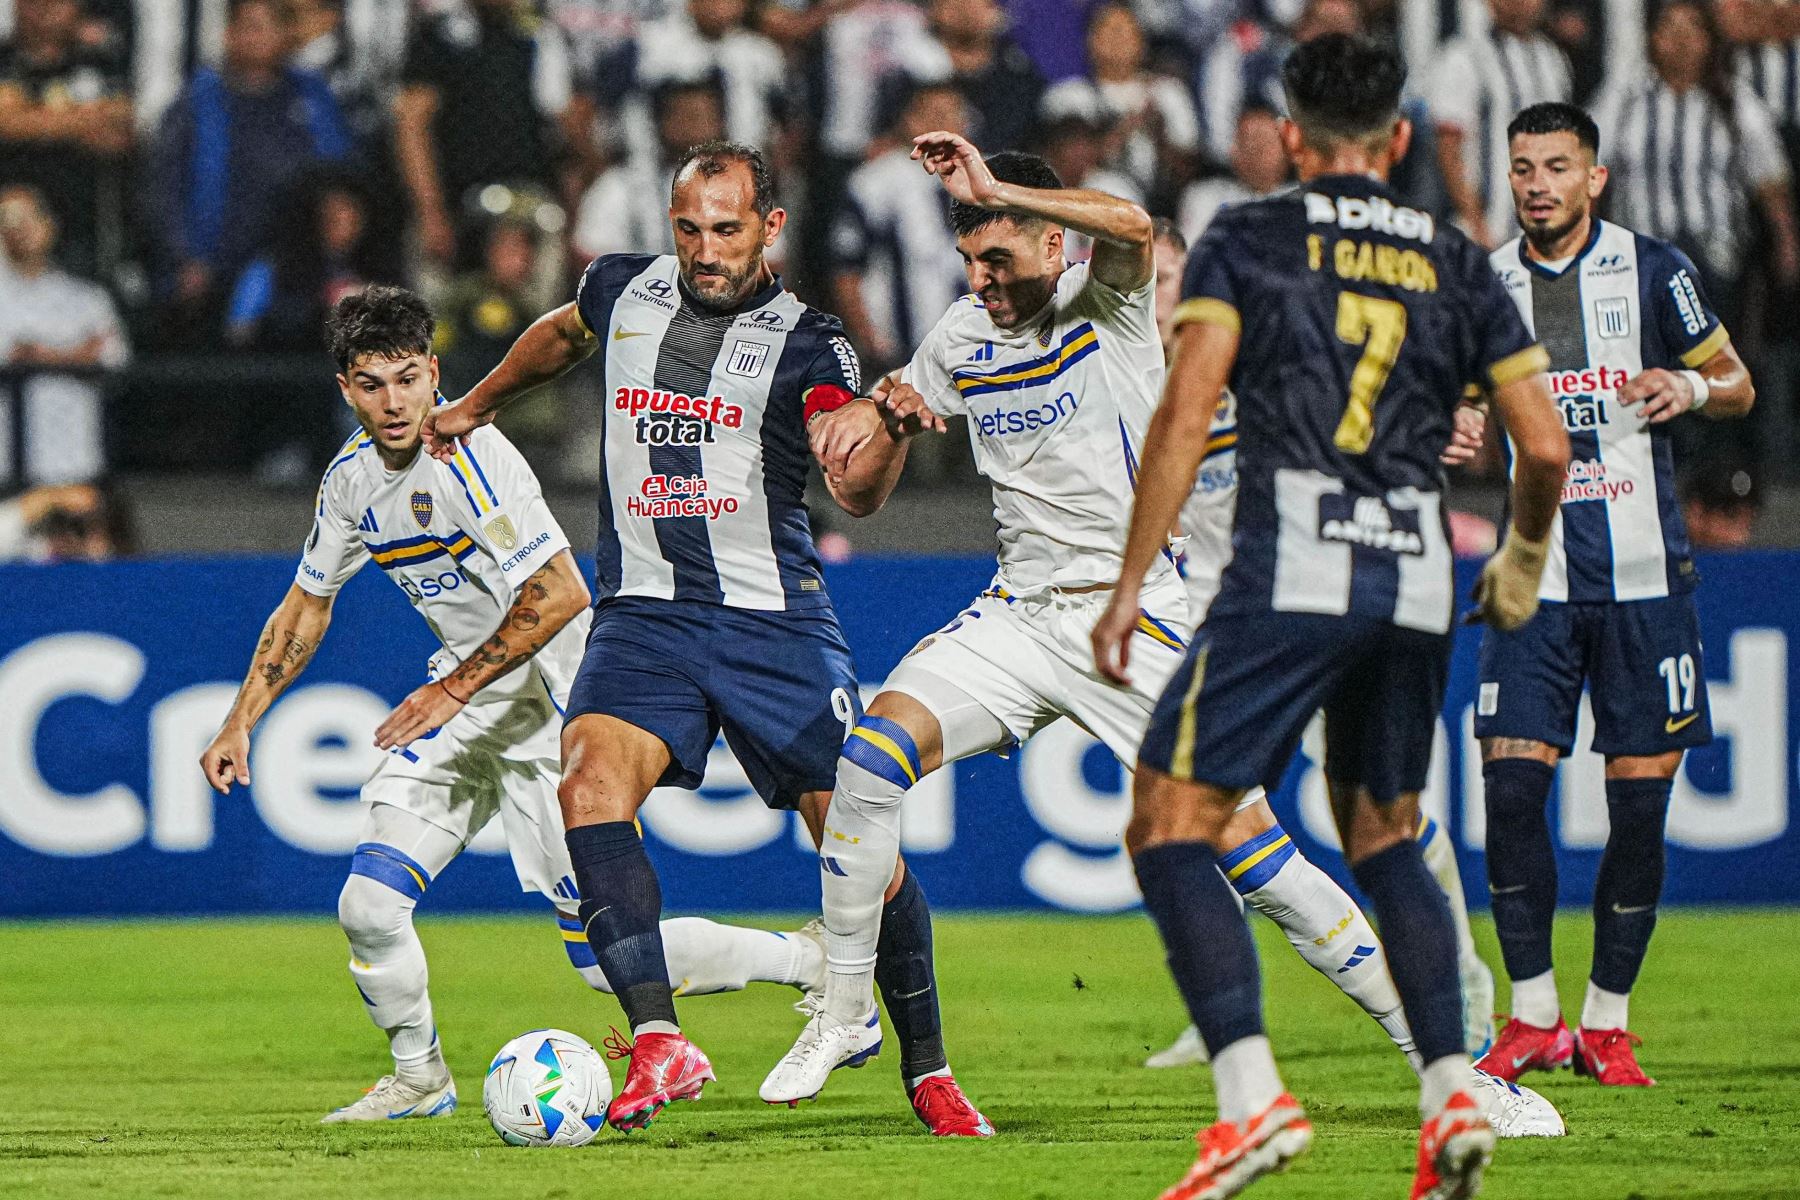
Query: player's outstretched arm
x=289, y=638
x=548, y=599
x=861, y=447
x=1173, y=448
x=549, y=346
x=1720, y=388
x=1124, y=253
x=1507, y=594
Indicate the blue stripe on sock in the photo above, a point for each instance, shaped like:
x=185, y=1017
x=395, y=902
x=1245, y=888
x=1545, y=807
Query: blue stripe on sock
x=389, y=866
x=1428, y=830
x=581, y=955
x=876, y=761
x=898, y=735
x=1262, y=872
x=1249, y=848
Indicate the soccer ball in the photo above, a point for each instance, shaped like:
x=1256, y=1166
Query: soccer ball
x=547, y=1088
x=1515, y=1111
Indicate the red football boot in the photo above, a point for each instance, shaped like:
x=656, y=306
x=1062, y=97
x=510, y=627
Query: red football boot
x=665, y=1067
x=940, y=1103
x=1234, y=1156
x=1523, y=1048
x=1455, y=1147
x=1609, y=1055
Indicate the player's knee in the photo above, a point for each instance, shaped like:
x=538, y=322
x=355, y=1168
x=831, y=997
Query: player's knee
x=371, y=914
x=878, y=764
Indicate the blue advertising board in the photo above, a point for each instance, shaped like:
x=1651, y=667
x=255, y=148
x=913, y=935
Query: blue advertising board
x=114, y=677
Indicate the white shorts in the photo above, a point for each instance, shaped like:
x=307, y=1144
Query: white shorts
x=505, y=756
x=1029, y=660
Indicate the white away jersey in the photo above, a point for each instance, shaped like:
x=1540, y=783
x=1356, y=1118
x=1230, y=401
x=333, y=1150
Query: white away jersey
x=1207, y=516
x=459, y=539
x=1057, y=411
x=1626, y=304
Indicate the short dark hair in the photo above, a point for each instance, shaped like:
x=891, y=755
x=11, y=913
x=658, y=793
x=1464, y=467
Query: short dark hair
x=1165, y=230
x=1343, y=87
x=1553, y=116
x=387, y=321
x=717, y=157
x=1008, y=166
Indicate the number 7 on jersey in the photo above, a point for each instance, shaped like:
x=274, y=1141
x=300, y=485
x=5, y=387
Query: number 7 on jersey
x=1378, y=326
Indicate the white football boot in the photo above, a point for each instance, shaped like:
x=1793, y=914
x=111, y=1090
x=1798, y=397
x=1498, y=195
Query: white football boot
x=1187, y=1050
x=393, y=1099
x=824, y=1046
x=1516, y=1111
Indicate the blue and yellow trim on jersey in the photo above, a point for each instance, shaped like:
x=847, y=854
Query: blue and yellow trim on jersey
x=575, y=943
x=1076, y=345
x=353, y=445
x=410, y=551
x=1222, y=441
x=1154, y=629
x=467, y=469
x=882, y=747
x=386, y=865
x=1708, y=346
x=1258, y=860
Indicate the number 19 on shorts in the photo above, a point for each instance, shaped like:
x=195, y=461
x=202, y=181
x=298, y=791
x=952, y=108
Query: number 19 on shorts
x=1679, y=677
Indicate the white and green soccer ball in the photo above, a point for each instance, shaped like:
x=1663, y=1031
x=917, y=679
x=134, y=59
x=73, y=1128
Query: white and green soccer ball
x=547, y=1088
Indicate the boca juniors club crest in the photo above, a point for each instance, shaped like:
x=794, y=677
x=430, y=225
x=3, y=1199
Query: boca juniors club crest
x=421, y=509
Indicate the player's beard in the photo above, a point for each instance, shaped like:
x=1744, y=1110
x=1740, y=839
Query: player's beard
x=1544, y=237
x=729, y=291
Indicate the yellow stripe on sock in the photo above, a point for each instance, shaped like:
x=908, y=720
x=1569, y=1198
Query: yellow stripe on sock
x=889, y=747
x=1267, y=850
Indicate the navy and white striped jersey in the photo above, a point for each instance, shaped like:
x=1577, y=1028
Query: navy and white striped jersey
x=894, y=231
x=703, y=437
x=1772, y=69
x=1627, y=303
x=1362, y=323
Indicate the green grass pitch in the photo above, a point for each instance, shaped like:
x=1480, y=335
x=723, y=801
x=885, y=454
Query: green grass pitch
x=149, y=1059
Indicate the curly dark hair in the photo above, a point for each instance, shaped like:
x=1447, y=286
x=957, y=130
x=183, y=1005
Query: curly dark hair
x=387, y=321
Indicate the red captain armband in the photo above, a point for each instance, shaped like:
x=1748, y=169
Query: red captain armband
x=826, y=397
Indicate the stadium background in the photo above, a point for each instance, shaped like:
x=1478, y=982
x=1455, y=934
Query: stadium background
x=216, y=173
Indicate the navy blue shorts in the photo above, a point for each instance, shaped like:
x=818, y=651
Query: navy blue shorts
x=779, y=684
x=1640, y=660
x=1233, y=714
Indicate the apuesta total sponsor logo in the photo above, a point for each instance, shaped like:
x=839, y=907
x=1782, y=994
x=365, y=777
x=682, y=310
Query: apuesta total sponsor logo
x=666, y=418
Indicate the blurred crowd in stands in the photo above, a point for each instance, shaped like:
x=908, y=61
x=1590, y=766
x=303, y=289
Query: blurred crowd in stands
x=187, y=185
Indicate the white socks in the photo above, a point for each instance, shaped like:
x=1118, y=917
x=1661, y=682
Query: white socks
x=1440, y=860
x=1331, y=933
x=1441, y=1080
x=1604, y=1009
x=856, y=861
x=1245, y=1079
x=705, y=957
x=1534, y=1000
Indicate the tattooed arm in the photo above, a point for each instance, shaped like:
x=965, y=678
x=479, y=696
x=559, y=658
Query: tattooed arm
x=546, y=601
x=292, y=633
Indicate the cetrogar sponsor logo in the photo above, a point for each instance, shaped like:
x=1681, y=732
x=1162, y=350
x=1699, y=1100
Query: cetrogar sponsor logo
x=1008, y=422
x=678, y=496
